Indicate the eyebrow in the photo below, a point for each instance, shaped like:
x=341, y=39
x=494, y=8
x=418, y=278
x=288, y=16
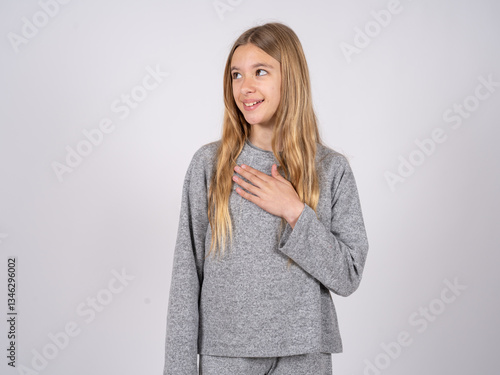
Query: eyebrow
x=254, y=66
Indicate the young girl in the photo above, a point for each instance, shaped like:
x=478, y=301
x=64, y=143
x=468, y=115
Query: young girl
x=270, y=223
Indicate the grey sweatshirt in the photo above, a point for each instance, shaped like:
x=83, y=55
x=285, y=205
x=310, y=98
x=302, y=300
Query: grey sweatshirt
x=248, y=304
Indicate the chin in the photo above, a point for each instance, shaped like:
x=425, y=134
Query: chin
x=252, y=121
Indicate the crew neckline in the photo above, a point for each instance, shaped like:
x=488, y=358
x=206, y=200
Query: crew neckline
x=258, y=148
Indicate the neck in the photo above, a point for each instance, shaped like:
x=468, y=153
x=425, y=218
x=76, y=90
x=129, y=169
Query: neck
x=262, y=138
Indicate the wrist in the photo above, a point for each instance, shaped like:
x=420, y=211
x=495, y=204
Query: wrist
x=295, y=214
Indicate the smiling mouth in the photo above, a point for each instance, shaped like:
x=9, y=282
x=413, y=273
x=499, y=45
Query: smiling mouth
x=251, y=104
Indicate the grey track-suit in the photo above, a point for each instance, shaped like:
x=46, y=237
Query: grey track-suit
x=249, y=304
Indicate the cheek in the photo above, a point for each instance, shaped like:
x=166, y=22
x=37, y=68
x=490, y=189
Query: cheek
x=235, y=95
x=276, y=95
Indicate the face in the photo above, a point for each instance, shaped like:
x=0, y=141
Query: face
x=256, y=77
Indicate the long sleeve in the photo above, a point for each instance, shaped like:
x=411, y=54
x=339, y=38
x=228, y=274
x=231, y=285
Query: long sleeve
x=334, y=254
x=181, y=345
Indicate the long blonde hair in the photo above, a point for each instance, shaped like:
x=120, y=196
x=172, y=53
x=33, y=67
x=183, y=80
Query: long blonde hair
x=296, y=129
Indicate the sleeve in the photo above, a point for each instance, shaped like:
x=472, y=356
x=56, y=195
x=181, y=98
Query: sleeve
x=181, y=344
x=335, y=255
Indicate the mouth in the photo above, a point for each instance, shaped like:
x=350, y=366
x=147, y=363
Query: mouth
x=253, y=105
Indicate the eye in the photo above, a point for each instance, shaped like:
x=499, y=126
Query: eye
x=261, y=70
x=235, y=75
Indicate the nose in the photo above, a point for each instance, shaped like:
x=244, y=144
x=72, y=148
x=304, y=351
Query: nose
x=247, y=85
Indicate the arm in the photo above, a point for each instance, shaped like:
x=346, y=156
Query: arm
x=335, y=255
x=181, y=346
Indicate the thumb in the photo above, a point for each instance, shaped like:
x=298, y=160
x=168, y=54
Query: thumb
x=274, y=171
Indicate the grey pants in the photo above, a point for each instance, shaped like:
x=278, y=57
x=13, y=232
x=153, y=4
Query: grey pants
x=302, y=364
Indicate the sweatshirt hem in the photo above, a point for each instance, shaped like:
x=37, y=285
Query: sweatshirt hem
x=226, y=351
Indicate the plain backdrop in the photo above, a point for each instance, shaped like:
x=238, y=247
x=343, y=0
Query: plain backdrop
x=408, y=90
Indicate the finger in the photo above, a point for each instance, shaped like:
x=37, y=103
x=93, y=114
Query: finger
x=275, y=172
x=251, y=188
x=256, y=181
x=278, y=175
x=247, y=196
x=249, y=173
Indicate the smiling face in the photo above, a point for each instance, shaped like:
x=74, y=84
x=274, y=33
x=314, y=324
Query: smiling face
x=256, y=77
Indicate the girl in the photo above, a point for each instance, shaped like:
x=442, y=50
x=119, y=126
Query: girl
x=257, y=253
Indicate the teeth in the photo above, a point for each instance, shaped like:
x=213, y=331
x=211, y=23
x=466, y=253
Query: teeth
x=251, y=104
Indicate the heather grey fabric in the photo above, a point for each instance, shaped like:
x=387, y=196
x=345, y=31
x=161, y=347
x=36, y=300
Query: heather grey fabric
x=248, y=304
x=301, y=364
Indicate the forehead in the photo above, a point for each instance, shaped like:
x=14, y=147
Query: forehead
x=249, y=54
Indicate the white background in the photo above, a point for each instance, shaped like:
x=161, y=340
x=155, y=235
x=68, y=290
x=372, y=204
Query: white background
x=118, y=209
